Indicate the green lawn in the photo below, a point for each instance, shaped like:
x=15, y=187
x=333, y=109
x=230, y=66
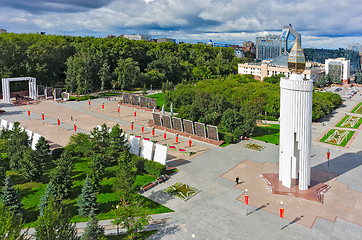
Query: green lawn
x=160, y=97
x=358, y=123
x=268, y=133
x=343, y=143
x=141, y=236
x=358, y=107
x=107, y=197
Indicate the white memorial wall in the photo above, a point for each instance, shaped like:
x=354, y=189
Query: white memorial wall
x=147, y=149
x=160, y=154
x=134, y=145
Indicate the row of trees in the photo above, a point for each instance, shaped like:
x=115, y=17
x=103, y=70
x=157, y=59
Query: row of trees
x=82, y=64
x=235, y=102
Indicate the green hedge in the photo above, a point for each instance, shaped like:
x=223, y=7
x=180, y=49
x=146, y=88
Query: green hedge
x=155, y=168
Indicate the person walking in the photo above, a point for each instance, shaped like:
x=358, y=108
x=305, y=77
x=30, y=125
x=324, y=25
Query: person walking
x=237, y=180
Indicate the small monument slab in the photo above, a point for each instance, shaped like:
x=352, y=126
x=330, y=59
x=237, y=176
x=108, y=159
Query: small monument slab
x=212, y=133
x=177, y=124
x=157, y=119
x=166, y=121
x=189, y=126
x=200, y=129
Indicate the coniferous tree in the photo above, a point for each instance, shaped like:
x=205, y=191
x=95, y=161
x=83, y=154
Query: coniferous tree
x=2, y=175
x=87, y=200
x=97, y=170
x=93, y=231
x=55, y=223
x=31, y=165
x=49, y=192
x=10, y=225
x=10, y=198
x=61, y=178
x=42, y=147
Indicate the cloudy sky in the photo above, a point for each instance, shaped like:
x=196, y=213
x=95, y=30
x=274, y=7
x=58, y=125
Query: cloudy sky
x=322, y=23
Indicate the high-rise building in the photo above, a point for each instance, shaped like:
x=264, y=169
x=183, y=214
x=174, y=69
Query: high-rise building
x=338, y=69
x=268, y=47
x=289, y=34
x=320, y=55
x=272, y=46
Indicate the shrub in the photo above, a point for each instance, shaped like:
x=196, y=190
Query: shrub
x=155, y=168
x=56, y=153
x=143, y=179
x=228, y=138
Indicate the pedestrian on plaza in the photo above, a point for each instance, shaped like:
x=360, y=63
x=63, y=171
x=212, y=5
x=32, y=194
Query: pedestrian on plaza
x=237, y=180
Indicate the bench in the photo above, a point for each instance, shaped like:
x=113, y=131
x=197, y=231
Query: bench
x=166, y=177
x=148, y=186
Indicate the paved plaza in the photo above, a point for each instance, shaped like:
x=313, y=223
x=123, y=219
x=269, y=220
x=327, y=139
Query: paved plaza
x=218, y=211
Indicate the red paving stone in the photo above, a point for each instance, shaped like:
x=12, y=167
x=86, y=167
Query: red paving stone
x=339, y=201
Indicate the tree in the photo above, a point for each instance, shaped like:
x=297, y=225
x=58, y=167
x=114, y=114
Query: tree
x=2, y=173
x=232, y=119
x=93, y=231
x=126, y=175
x=132, y=217
x=97, y=170
x=105, y=75
x=49, y=192
x=87, y=200
x=127, y=72
x=10, y=225
x=31, y=165
x=10, y=199
x=42, y=147
x=54, y=223
x=117, y=142
x=358, y=77
x=61, y=178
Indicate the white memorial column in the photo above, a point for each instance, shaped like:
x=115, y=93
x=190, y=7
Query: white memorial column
x=295, y=130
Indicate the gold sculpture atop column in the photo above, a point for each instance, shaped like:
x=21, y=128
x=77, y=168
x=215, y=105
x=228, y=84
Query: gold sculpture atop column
x=296, y=59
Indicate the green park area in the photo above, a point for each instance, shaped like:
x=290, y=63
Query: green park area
x=337, y=137
x=357, y=109
x=268, y=133
x=350, y=122
x=92, y=174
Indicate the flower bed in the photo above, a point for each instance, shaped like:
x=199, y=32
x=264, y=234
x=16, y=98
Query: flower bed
x=337, y=137
x=254, y=146
x=358, y=109
x=182, y=190
x=350, y=122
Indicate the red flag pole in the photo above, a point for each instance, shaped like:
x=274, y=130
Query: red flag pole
x=42, y=117
x=75, y=127
x=176, y=137
x=246, y=198
x=58, y=122
x=281, y=213
x=29, y=114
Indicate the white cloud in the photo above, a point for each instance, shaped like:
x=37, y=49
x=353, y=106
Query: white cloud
x=322, y=23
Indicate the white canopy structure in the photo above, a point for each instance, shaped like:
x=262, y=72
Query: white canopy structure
x=6, y=87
